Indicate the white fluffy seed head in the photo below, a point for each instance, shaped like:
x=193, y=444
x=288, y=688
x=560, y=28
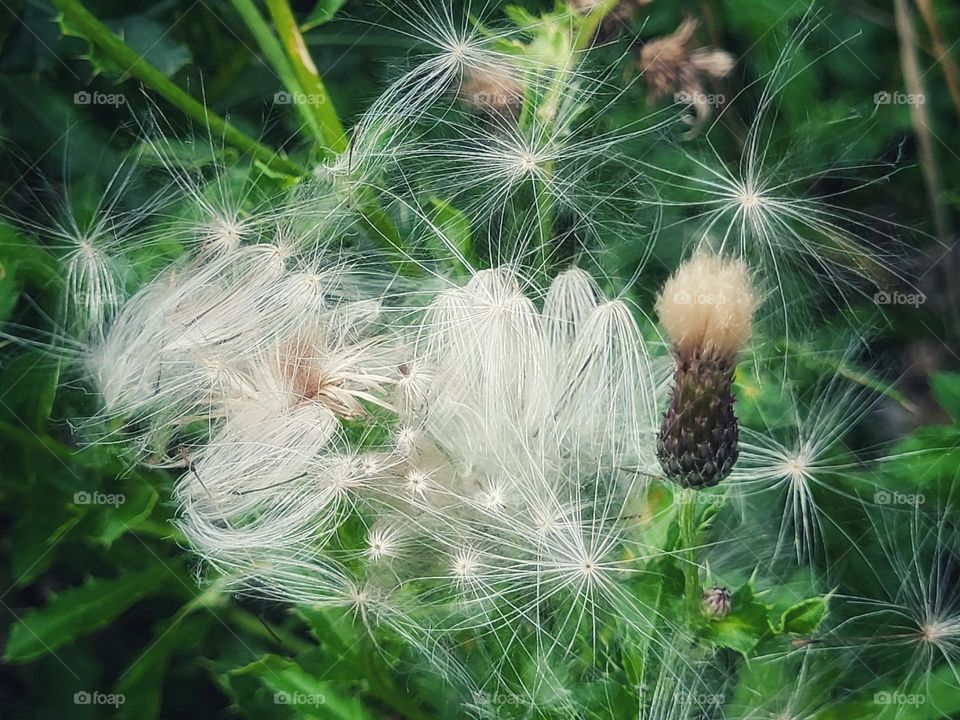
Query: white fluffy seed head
x=707, y=306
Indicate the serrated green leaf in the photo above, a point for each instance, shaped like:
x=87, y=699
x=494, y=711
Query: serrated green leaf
x=78, y=612
x=293, y=686
x=805, y=616
x=136, y=499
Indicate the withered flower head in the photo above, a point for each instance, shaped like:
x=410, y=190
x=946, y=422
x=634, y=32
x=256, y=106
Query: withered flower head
x=706, y=308
x=493, y=90
x=671, y=64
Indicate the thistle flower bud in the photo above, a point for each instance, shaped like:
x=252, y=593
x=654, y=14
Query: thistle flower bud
x=717, y=602
x=706, y=308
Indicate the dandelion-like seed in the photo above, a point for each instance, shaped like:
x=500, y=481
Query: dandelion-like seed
x=417, y=483
x=763, y=208
x=914, y=620
x=465, y=568
x=383, y=543
x=801, y=458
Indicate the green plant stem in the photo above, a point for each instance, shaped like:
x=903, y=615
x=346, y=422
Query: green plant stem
x=544, y=205
x=586, y=29
x=296, y=70
x=273, y=51
x=315, y=92
x=590, y=23
x=81, y=20
x=687, y=521
x=842, y=368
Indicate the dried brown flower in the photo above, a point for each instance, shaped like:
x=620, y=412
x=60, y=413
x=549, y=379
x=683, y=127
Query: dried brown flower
x=492, y=90
x=331, y=380
x=671, y=64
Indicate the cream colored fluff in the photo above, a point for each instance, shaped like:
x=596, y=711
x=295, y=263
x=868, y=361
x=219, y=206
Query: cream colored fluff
x=707, y=305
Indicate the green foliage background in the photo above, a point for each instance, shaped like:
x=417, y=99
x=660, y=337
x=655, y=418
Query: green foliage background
x=104, y=598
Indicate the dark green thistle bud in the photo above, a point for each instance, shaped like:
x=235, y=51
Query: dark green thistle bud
x=706, y=308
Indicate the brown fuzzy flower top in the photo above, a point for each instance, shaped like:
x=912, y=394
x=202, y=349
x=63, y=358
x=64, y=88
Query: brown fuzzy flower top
x=671, y=64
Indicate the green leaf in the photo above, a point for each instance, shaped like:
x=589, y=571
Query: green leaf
x=521, y=17
x=292, y=686
x=23, y=262
x=35, y=538
x=453, y=231
x=78, y=612
x=946, y=391
x=927, y=460
x=804, y=617
x=746, y=624
x=9, y=290
x=142, y=683
x=28, y=387
x=135, y=501
x=322, y=13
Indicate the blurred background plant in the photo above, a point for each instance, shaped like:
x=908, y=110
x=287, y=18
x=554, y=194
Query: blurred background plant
x=100, y=597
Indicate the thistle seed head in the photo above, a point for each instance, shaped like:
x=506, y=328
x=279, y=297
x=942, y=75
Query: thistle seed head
x=706, y=308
